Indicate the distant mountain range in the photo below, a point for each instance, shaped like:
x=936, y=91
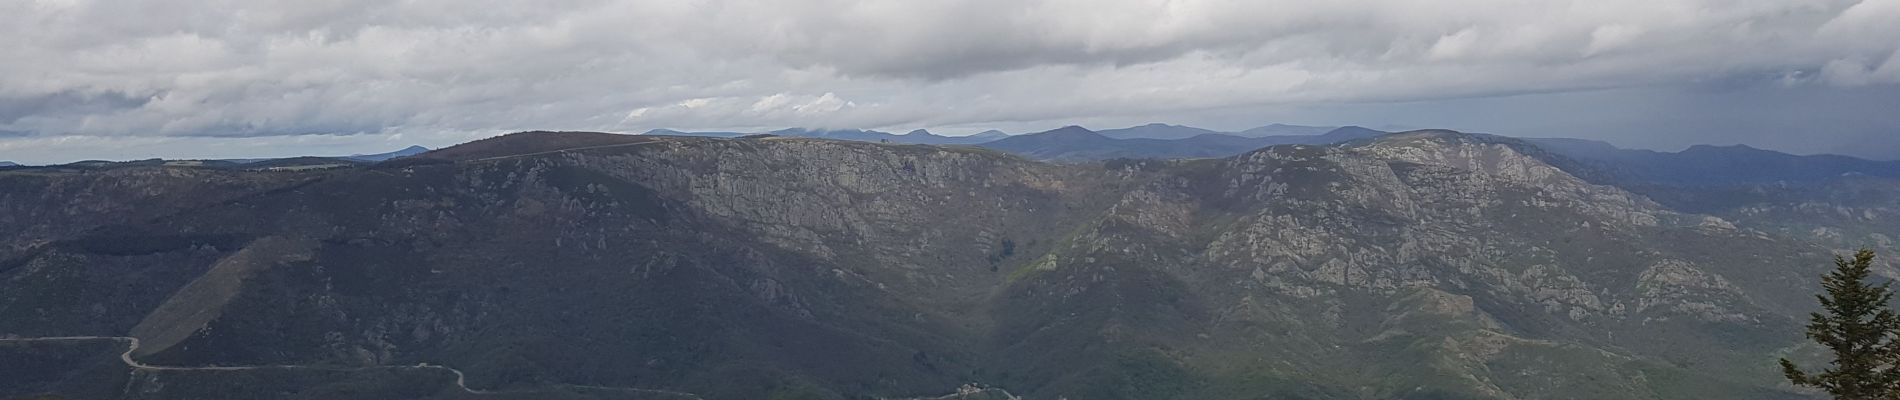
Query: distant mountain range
x=1703, y=164
x=1426, y=264
x=366, y=158
x=1074, y=143
x=1697, y=165
x=1165, y=131
x=1289, y=130
x=670, y=132
x=405, y=152
x=1712, y=165
x=1149, y=131
x=1156, y=131
x=919, y=136
x=280, y=163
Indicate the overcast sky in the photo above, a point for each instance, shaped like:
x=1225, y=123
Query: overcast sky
x=124, y=79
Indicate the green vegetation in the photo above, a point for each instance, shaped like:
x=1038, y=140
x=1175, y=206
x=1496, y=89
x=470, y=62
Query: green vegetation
x=816, y=269
x=1861, y=330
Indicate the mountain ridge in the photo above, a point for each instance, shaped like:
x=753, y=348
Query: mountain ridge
x=378, y=157
x=1284, y=130
x=1424, y=264
x=1074, y=143
x=1714, y=165
x=1156, y=131
x=918, y=136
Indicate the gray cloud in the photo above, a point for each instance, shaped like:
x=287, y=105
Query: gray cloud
x=66, y=103
x=439, y=68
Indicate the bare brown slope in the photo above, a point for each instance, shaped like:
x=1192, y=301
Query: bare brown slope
x=201, y=301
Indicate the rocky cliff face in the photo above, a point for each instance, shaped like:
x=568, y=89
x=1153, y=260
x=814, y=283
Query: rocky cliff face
x=1456, y=253
x=1418, y=265
x=1845, y=213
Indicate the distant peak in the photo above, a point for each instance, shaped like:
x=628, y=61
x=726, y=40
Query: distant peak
x=1712, y=147
x=1350, y=132
x=790, y=131
x=1354, y=128
x=919, y=132
x=1432, y=132
x=1279, y=129
x=1071, y=129
x=405, y=152
x=529, y=142
x=1437, y=135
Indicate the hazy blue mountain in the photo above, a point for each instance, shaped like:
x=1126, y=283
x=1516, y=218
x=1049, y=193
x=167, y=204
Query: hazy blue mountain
x=1397, y=127
x=1065, y=143
x=839, y=134
x=1713, y=165
x=7, y=164
x=919, y=136
x=1156, y=131
x=1225, y=144
x=1332, y=136
x=405, y=152
x=670, y=132
x=989, y=135
x=1221, y=141
x=1075, y=143
x=1284, y=130
x=922, y=136
x=301, y=163
x=1841, y=202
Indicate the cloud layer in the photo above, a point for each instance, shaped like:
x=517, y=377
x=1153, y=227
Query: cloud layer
x=223, y=68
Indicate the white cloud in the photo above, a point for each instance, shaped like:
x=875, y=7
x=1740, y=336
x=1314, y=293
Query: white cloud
x=262, y=68
x=1611, y=37
x=1849, y=72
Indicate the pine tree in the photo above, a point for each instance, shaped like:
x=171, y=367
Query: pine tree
x=1860, y=329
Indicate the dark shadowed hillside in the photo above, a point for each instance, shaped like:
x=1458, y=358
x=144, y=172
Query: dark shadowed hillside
x=1157, y=141
x=1157, y=131
x=1705, y=165
x=405, y=152
x=1419, y=265
x=919, y=136
x=1284, y=130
